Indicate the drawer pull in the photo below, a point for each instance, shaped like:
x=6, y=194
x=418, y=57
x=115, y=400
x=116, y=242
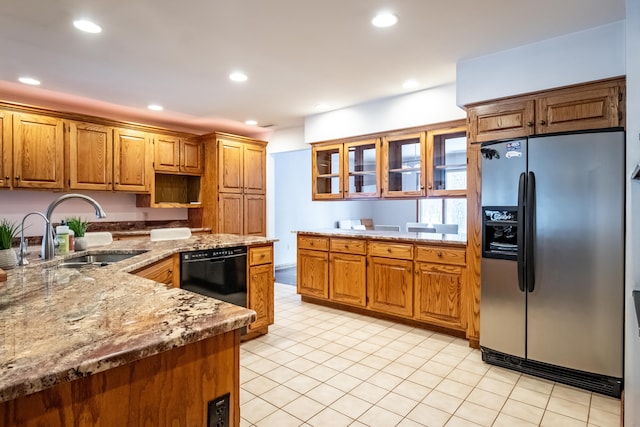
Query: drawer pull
x=439, y=254
x=389, y=250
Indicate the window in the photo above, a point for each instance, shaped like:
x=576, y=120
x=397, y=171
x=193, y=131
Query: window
x=444, y=211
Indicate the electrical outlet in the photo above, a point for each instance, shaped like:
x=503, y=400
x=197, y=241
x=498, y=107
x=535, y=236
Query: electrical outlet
x=218, y=412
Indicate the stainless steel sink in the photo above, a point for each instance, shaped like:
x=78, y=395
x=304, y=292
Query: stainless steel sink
x=99, y=259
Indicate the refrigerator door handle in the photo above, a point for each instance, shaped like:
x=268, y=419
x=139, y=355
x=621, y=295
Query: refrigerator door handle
x=520, y=236
x=530, y=232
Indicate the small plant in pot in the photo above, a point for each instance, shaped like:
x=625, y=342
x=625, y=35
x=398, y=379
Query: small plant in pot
x=79, y=228
x=8, y=231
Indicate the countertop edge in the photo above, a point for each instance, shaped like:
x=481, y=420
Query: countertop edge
x=424, y=238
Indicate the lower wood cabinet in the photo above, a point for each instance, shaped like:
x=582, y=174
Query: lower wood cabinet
x=260, y=286
x=438, y=294
x=390, y=286
x=348, y=279
x=313, y=273
x=166, y=270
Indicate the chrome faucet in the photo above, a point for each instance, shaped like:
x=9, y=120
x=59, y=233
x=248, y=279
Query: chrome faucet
x=48, y=246
x=22, y=252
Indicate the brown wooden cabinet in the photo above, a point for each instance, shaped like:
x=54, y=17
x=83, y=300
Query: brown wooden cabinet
x=439, y=286
x=390, y=278
x=166, y=270
x=131, y=160
x=90, y=156
x=313, y=266
x=348, y=271
x=581, y=107
x=38, y=151
x=404, y=160
x=6, y=149
x=260, y=287
x=241, y=186
x=178, y=155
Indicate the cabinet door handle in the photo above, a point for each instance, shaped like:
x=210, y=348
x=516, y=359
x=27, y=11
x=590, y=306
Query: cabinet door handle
x=18, y=177
x=429, y=186
x=439, y=254
x=529, y=123
x=543, y=122
x=6, y=177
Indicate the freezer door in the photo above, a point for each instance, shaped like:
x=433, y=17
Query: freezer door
x=502, y=304
x=575, y=311
x=502, y=164
x=502, y=308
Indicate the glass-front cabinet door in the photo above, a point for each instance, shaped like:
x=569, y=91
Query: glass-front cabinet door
x=447, y=154
x=403, y=165
x=361, y=168
x=327, y=176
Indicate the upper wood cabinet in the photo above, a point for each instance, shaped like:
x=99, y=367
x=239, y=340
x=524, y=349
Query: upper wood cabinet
x=447, y=162
x=131, y=160
x=38, y=151
x=404, y=160
x=6, y=149
x=178, y=155
x=90, y=156
x=589, y=106
x=327, y=172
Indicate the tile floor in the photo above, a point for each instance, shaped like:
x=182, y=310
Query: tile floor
x=329, y=368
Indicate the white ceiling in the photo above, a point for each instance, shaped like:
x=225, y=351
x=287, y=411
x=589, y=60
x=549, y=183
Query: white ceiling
x=296, y=53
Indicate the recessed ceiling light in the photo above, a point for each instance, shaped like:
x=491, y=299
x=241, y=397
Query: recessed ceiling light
x=410, y=84
x=155, y=107
x=323, y=106
x=87, y=26
x=250, y=122
x=29, y=81
x=238, y=76
x=384, y=19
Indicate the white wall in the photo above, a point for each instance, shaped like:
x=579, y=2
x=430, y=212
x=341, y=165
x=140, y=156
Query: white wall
x=14, y=205
x=403, y=111
x=584, y=56
x=632, y=340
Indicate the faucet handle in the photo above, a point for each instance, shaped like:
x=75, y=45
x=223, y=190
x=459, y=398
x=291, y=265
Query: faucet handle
x=22, y=252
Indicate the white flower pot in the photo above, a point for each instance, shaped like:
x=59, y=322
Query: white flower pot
x=8, y=259
x=80, y=243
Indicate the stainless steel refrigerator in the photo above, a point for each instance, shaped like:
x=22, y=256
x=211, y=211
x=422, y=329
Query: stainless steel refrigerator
x=552, y=270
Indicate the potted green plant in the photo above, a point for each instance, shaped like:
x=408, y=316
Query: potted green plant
x=8, y=231
x=79, y=228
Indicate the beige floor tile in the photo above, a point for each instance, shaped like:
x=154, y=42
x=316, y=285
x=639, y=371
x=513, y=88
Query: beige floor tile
x=318, y=356
x=380, y=340
x=325, y=394
x=245, y=423
x=447, y=359
x=397, y=403
x=530, y=397
x=259, y=385
x=338, y=363
x=399, y=370
x=330, y=417
x=460, y=422
x=302, y=383
x=476, y=413
x=464, y=377
x=454, y=388
x=357, y=424
x=437, y=368
x=360, y=371
x=354, y=355
x=282, y=357
x=602, y=418
x=316, y=342
x=245, y=396
x=334, y=348
x=257, y=409
x=411, y=360
x=552, y=419
x=504, y=375
x=347, y=341
x=300, y=349
x=247, y=375
x=486, y=399
x=444, y=402
x=412, y=390
x=384, y=380
x=476, y=366
x=424, y=413
x=389, y=353
x=524, y=411
x=504, y=420
x=279, y=418
x=536, y=384
x=281, y=374
x=410, y=423
x=376, y=416
x=300, y=364
x=375, y=362
x=495, y=386
x=605, y=403
x=425, y=379
x=344, y=382
x=351, y=406
x=303, y=408
x=568, y=408
x=369, y=392
x=572, y=394
x=279, y=396
x=321, y=373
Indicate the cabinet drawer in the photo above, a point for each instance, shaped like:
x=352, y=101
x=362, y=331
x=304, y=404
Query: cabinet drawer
x=349, y=246
x=313, y=243
x=260, y=255
x=391, y=250
x=441, y=255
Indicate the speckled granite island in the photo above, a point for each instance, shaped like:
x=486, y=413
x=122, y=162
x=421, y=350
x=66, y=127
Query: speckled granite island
x=97, y=346
x=415, y=278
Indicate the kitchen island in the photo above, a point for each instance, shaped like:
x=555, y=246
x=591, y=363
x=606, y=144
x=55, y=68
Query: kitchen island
x=98, y=346
x=415, y=278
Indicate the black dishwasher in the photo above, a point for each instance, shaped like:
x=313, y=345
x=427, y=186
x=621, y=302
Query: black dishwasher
x=220, y=273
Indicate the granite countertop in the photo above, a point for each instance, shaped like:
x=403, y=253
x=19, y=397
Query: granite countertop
x=60, y=324
x=435, y=238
